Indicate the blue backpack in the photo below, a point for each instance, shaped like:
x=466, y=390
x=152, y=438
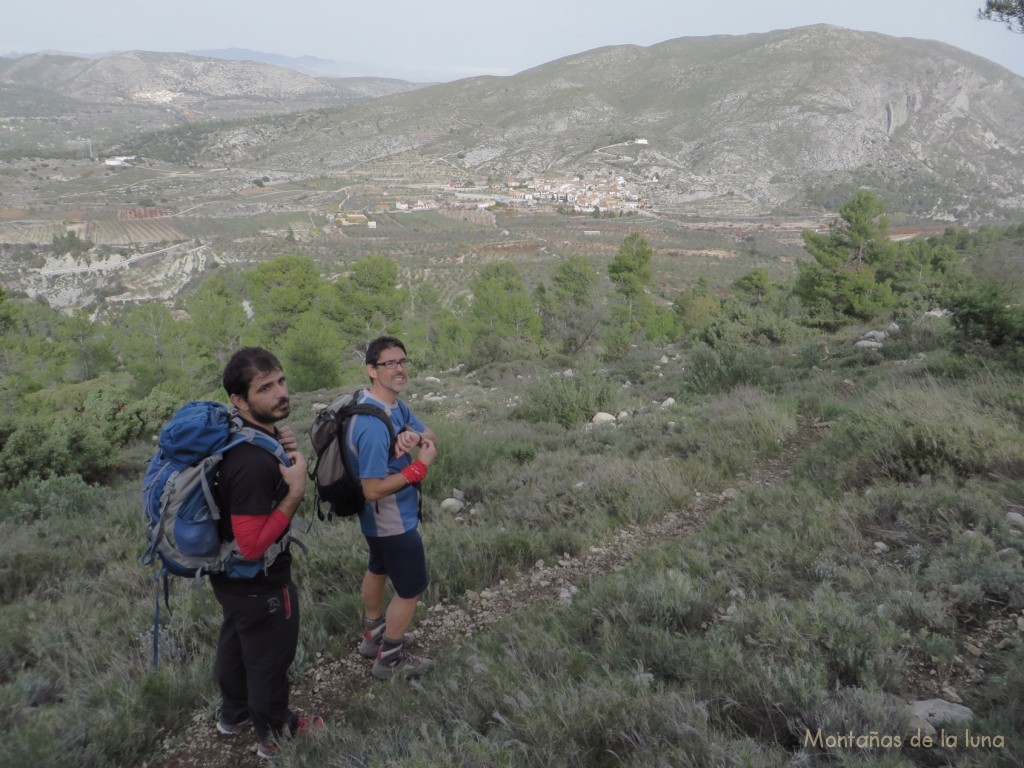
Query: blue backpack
x=179, y=508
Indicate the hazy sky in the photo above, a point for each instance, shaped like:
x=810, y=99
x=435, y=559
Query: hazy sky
x=423, y=41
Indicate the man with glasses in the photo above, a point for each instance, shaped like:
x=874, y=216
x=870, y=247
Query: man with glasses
x=390, y=519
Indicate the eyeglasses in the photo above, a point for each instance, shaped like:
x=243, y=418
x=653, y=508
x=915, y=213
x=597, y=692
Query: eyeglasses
x=405, y=362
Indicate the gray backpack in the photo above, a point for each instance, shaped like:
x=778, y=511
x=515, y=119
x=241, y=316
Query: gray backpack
x=338, y=488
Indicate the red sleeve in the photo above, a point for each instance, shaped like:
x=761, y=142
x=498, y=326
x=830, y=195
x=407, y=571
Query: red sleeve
x=255, y=533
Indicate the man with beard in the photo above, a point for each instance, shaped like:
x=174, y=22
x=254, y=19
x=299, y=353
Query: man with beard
x=390, y=518
x=258, y=498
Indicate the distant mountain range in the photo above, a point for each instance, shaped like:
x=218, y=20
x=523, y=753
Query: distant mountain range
x=789, y=120
x=194, y=78
x=309, y=65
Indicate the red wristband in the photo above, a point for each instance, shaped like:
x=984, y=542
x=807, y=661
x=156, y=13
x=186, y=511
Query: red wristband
x=415, y=472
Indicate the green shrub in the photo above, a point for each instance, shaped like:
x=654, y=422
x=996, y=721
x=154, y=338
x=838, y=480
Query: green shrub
x=51, y=498
x=986, y=311
x=519, y=451
x=565, y=400
x=467, y=455
x=69, y=446
x=123, y=420
x=752, y=326
x=713, y=370
x=923, y=430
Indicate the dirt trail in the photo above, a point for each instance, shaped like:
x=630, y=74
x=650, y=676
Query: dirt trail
x=330, y=684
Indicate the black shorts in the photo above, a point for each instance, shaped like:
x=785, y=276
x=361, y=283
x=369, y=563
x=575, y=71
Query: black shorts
x=402, y=559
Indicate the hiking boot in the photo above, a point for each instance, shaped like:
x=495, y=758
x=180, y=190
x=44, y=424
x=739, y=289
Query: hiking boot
x=399, y=662
x=372, y=639
x=303, y=726
x=268, y=750
x=232, y=729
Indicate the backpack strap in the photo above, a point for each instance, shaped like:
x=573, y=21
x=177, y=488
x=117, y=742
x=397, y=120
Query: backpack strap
x=242, y=433
x=370, y=409
x=407, y=413
x=383, y=416
x=229, y=549
x=375, y=410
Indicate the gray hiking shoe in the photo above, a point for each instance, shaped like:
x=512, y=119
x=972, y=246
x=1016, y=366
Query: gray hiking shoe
x=372, y=639
x=399, y=662
x=232, y=729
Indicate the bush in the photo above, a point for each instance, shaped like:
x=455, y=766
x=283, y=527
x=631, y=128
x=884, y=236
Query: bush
x=756, y=326
x=923, y=430
x=984, y=311
x=565, y=400
x=123, y=420
x=55, y=498
x=69, y=446
x=520, y=451
x=717, y=370
x=467, y=457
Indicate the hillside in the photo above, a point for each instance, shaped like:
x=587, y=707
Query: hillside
x=751, y=138
x=788, y=120
x=117, y=94
x=749, y=545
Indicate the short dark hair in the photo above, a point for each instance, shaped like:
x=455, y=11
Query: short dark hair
x=378, y=345
x=244, y=366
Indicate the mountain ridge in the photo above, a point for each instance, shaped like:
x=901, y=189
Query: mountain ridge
x=788, y=120
x=185, y=81
x=785, y=119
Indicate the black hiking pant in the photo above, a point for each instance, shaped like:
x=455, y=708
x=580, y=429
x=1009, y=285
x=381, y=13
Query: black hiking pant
x=257, y=646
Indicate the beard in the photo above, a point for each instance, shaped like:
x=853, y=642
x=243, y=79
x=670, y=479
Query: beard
x=272, y=415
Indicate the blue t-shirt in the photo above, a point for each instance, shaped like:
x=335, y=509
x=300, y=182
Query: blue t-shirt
x=368, y=445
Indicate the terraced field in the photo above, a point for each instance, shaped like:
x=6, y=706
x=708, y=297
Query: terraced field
x=99, y=232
